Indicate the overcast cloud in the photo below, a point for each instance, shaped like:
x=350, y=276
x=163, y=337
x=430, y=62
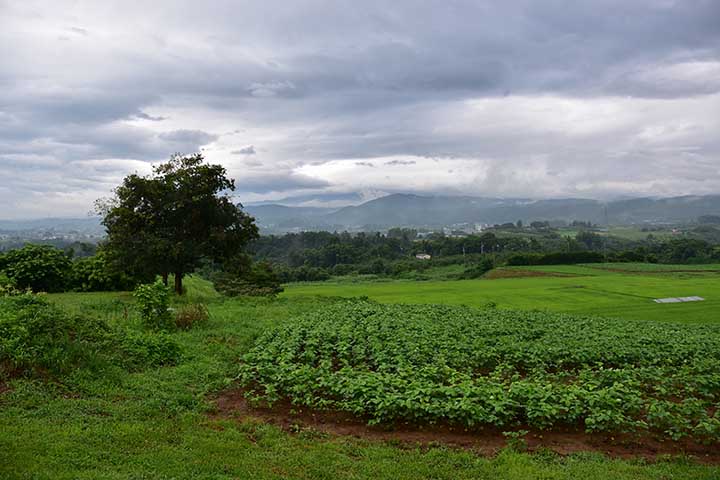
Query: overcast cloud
x=341, y=100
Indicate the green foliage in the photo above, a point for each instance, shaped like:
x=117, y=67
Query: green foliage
x=153, y=301
x=516, y=440
x=142, y=350
x=248, y=279
x=170, y=221
x=191, y=316
x=477, y=270
x=303, y=273
x=95, y=274
x=41, y=268
x=474, y=368
x=38, y=338
x=7, y=286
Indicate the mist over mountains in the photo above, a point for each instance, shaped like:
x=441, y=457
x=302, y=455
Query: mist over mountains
x=407, y=210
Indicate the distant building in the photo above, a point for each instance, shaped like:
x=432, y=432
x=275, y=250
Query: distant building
x=423, y=256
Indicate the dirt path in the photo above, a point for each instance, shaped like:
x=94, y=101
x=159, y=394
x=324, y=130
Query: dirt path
x=232, y=404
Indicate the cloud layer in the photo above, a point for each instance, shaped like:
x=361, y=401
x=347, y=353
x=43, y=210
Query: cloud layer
x=346, y=99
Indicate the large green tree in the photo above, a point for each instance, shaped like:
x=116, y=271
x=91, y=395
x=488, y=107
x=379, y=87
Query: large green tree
x=169, y=221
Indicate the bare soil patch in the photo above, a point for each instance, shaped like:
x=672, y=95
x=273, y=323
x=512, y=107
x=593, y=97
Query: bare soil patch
x=507, y=273
x=233, y=404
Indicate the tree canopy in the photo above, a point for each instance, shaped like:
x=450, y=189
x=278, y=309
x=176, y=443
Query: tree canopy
x=169, y=221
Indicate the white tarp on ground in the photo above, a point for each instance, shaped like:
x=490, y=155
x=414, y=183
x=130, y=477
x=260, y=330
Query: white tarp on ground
x=678, y=299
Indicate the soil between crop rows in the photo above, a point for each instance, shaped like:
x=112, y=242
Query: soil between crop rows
x=232, y=404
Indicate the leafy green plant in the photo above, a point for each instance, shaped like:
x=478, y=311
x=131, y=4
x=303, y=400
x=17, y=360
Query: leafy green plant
x=492, y=367
x=516, y=440
x=7, y=287
x=153, y=300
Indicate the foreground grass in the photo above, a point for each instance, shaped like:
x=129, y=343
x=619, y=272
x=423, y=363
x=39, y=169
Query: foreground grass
x=589, y=291
x=154, y=424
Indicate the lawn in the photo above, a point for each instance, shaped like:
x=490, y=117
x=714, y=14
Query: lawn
x=159, y=423
x=590, y=290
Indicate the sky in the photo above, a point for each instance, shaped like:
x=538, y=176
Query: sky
x=335, y=102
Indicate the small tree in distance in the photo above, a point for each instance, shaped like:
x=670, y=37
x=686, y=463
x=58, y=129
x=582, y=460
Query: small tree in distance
x=167, y=222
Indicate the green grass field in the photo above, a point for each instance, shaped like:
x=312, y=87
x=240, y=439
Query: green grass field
x=591, y=290
x=625, y=232
x=157, y=423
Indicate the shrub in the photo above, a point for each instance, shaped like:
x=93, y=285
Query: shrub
x=191, y=316
x=38, y=337
x=94, y=274
x=477, y=270
x=41, y=268
x=153, y=301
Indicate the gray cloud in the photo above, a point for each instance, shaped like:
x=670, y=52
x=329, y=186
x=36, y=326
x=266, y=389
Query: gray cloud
x=538, y=98
x=400, y=162
x=187, y=137
x=277, y=182
x=249, y=150
x=145, y=116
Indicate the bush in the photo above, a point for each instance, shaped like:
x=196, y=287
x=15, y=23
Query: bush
x=94, y=274
x=38, y=337
x=153, y=301
x=191, y=316
x=477, y=270
x=41, y=268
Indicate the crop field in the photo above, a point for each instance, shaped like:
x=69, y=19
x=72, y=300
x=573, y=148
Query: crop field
x=573, y=289
x=507, y=369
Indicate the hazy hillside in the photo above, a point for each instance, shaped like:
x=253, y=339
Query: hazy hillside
x=421, y=211
x=415, y=210
x=84, y=226
x=275, y=216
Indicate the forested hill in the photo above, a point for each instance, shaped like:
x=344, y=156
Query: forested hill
x=418, y=211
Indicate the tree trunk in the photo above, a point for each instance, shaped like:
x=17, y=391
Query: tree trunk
x=165, y=278
x=178, y=283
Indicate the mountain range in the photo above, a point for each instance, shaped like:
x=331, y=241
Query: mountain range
x=407, y=210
